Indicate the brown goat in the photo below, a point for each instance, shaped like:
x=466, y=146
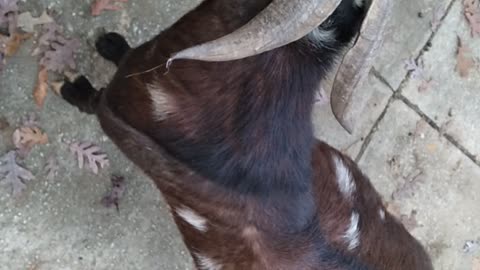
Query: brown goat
x=230, y=146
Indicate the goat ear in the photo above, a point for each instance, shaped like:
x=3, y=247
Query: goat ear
x=358, y=61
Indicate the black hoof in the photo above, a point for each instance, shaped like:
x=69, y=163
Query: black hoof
x=112, y=46
x=80, y=94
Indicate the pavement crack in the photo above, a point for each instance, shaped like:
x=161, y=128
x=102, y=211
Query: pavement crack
x=439, y=129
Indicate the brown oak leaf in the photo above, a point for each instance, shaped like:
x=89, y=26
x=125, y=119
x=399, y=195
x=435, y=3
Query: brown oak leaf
x=13, y=42
x=25, y=138
x=464, y=61
x=41, y=89
x=99, y=6
x=476, y=264
x=472, y=15
x=27, y=22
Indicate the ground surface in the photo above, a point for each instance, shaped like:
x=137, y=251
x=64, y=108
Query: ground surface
x=419, y=148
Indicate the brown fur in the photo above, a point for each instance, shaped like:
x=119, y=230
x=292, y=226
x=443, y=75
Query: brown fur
x=236, y=146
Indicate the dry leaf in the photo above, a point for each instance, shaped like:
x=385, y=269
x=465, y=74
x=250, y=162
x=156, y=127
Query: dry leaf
x=13, y=174
x=464, y=62
x=27, y=22
x=90, y=153
x=472, y=14
x=57, y=53
x=13, y=43
x=29, y=137
x=410, y=221
x=476, y=264
x=113, y=197
x=393, y=209
x=40, y=90
x=101, y=5
x=425, y=85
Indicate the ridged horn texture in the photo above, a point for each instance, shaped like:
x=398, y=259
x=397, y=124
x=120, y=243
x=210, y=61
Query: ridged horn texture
x=280, y=23
x=358, y=61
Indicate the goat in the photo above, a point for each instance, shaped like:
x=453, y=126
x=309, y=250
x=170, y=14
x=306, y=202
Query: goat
x=230, y=144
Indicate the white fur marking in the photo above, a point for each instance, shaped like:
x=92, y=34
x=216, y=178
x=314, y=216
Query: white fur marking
x=345, y=180
x=197, y=221
x=352, y=234
x=381, y=213
x=205, y=263
x=359, y=3
x=162, y=104
x=321, y=38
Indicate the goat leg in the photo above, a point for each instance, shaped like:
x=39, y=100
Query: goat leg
x=81, y=94
x=112, y=46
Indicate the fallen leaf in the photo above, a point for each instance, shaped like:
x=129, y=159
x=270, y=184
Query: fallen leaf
x=57, y=53
x=25, y=138
x=41, y=88
x=13, y=174
x=112, y=197
x=472, y=15
x=13, y=43
x=476, y=264
x=27, y=22
x=90, y=153
x=393, y=209
x=425, y=85
x=410, y=221
x=464, y=62
x=99, y=6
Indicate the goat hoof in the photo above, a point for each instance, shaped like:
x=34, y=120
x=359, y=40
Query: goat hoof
x=79, y=93
x=112, y=46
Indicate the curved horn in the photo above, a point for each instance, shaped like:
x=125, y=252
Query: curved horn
x=358, y=61
x=281, y=23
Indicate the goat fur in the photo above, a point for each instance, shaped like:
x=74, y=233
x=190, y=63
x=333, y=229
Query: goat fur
x=236, y=145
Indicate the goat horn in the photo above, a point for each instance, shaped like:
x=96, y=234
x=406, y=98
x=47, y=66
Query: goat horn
x=358, y=61
x=281, y=23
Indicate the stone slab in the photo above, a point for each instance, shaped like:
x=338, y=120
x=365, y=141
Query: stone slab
x=416, y=169
x=452, y=102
